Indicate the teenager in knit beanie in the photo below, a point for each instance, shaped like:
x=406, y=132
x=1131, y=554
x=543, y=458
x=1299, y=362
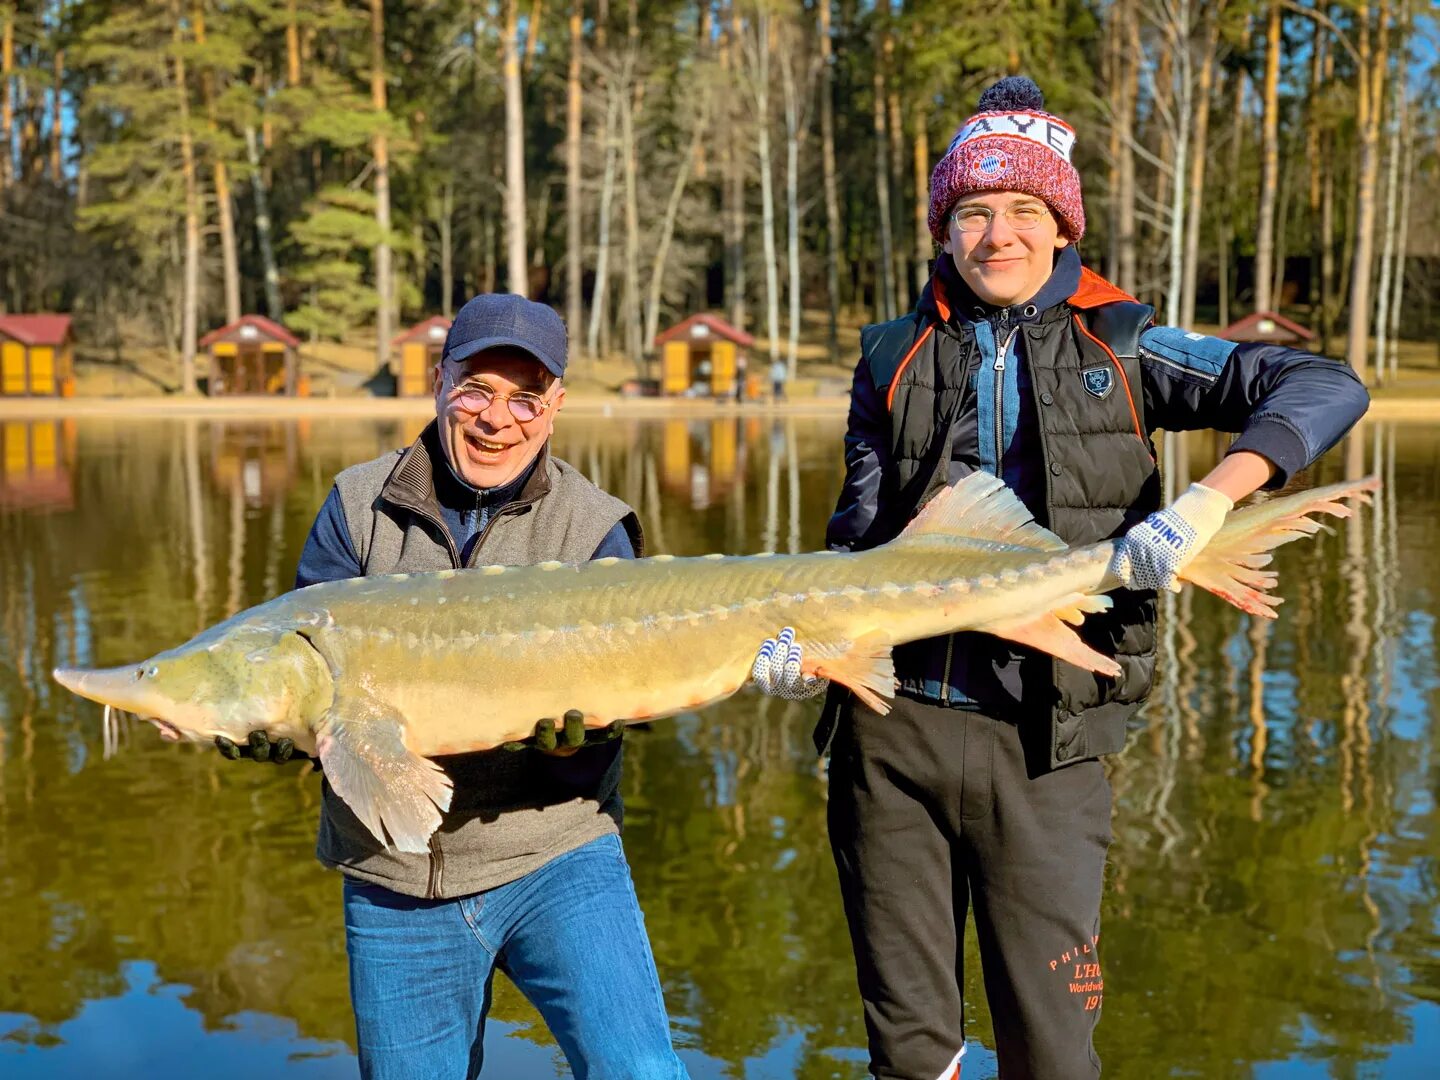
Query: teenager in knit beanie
x=980, y=795
x=1010, y=144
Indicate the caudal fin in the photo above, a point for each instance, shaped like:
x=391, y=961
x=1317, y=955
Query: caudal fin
x=1233, y=565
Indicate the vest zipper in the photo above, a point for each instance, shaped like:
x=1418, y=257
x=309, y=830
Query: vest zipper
x=437, y=870
x=1000, y=352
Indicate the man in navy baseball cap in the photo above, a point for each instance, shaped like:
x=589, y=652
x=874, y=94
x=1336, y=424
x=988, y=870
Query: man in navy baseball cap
x=504, y=320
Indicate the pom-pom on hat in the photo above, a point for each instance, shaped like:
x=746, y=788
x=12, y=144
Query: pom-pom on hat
x=1010, y=144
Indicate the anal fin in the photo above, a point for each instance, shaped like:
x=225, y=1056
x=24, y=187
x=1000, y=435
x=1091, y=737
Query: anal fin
x=863, y=666
x=397, y=794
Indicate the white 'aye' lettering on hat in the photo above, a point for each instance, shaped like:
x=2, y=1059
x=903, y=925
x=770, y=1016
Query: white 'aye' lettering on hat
x=1055, y=135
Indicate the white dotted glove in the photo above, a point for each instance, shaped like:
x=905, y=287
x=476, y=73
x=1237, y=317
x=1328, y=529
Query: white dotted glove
x=1153, y=552
x=776, y=670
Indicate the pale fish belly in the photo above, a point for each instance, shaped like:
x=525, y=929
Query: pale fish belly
x=462, y=692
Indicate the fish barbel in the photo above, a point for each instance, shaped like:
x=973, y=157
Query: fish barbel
x=377, y=675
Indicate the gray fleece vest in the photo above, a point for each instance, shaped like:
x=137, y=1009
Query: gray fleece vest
x=511, y=812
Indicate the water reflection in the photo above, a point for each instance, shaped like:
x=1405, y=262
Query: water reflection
x=1275, y=811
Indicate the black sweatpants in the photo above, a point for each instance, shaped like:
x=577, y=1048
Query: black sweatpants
x=932, y=811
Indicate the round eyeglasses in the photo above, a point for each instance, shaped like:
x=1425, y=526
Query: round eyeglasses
x=476, y=397
x=1021, y=216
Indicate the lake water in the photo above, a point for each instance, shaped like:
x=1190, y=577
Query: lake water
x=1271, y=906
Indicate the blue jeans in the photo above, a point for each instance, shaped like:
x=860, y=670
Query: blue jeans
x=571, y=937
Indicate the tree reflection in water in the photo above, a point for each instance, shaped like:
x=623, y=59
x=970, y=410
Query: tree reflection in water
x=1270, y=885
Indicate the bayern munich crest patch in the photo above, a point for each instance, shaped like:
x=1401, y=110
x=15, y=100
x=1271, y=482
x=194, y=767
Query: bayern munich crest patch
x=990, y=165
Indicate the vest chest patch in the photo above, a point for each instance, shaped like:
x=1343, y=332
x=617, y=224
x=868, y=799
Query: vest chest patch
x=1099, y=381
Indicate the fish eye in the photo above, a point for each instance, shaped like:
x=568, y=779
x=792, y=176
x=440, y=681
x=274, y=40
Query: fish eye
x=151, y=672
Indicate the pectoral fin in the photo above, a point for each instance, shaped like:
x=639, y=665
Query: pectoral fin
x=863, y=666
x=1049, y=633
x=395, y=792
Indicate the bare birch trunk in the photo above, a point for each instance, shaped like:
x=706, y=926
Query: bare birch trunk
x=1183, y=105
x=1198, y=159
x=1130, y=82
x=1373, y=59
x=574, y=210
x=827, y=159
x=1318, y=45
x=924, y=244
x=734, y=210
x=1269, y=163
x=1392, y=182
x=792, y=205
x=447, y=247
x=517, y=275
x=602, y=238
x=1403, y=234
x=767, y=192
x=884, y=288
x=667, y=224
x=224, y=208
x=262, y=226
x=630, y=272
x=190, y=287
x=384, y=275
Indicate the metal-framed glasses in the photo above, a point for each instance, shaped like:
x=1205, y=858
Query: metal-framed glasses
x=477, y=396
x=1021, y=216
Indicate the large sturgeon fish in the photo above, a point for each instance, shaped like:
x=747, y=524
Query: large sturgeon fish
x=377, y=675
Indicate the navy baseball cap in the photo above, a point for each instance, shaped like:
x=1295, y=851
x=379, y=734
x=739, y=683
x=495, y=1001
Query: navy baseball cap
x=496, y=320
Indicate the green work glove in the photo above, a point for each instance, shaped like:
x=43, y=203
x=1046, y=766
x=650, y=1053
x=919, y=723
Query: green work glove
x=258, y=747
x=570, y=736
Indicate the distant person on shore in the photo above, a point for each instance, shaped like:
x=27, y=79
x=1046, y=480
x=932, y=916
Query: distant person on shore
x=779, y=372
x=740, y=364
x=982, y=791
x=527, y=872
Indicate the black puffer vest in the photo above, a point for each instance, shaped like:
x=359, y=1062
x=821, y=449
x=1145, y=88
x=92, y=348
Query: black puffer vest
x=1097, y=462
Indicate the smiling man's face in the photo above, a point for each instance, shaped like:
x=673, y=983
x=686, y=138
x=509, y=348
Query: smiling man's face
x=489, y=448
x=1004, y=265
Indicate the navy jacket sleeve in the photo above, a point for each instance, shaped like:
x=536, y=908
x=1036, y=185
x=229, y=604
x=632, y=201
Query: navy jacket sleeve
x=615, y=544
x=1287, y=405
x=329, y=553
x=867, y=440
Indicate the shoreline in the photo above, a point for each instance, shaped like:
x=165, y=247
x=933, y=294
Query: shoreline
x=1407, y=409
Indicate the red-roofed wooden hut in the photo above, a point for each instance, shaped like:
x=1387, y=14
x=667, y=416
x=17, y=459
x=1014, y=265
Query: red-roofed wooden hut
x=36, y=356
x=703, y=354
x=420, y=348
x=1269, y=327
x=253, y=355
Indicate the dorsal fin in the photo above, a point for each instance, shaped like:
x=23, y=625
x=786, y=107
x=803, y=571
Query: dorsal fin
x=980, y=507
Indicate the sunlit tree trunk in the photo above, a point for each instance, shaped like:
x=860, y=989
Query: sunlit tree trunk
x=574, y=210
x=1199, y=156
x=224, y=209
x=602, y=237
x=57, y=134
x=1318, y=46
x=734, y=210
x=447, y=246
x=517, y=275
x=1392, y=197
x=827, y=159
x=884, y=288
x=1128, y=241
x=792, y=200
x=1373, y=59
x=262, y=226
x=384, y=275
x=1402, y=242
x=630, y=102
x=767, y=192
x=667, y=224
x=924, y=245
x=190, y=286
x=7, y=97
x=292, y=44
x=1269, y=163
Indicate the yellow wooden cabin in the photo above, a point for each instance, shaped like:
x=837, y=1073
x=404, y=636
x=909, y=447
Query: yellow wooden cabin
x=36, y=356
x=419, y=350
x=254, y=355
x=702, y=356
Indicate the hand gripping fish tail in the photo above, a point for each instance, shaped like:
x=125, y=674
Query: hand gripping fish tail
x=370, y=674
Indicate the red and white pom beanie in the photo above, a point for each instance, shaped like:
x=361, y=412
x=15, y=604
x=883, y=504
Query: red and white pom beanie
x=1010, y=144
